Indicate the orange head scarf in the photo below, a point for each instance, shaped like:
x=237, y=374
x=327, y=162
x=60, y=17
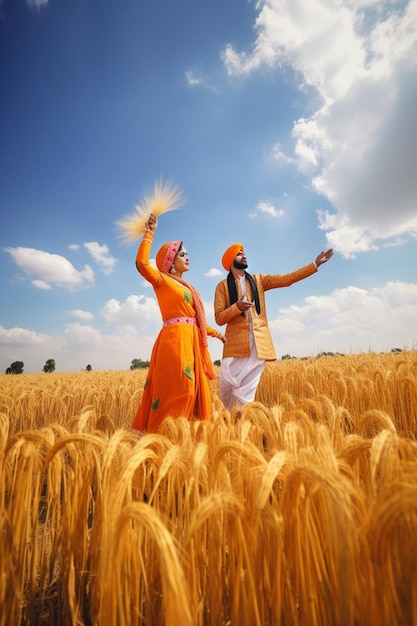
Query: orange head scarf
x=229, y=255
x=166, y=255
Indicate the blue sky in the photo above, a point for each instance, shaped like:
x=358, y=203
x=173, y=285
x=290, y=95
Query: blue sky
x=290, y=125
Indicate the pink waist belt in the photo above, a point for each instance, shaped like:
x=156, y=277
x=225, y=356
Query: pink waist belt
x=179, y=320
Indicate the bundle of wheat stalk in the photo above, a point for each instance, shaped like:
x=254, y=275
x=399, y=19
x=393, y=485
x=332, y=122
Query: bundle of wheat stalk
x=165, y=196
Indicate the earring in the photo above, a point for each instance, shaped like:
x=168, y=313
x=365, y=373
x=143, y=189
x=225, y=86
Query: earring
x=172, y=270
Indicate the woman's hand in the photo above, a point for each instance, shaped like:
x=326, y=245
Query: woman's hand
x=152, y=223
x=219, y=335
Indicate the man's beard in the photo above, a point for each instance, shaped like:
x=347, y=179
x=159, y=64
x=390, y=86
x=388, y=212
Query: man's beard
x=240, y=265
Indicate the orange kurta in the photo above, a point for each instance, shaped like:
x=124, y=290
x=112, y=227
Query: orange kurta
x=237, y=329
x=177, y=381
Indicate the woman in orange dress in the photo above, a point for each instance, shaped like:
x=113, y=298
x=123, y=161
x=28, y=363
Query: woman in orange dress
x=177, y=384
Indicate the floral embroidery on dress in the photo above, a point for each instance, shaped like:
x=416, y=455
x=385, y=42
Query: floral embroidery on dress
x=187, y=297
x=189, y=372
x=155, y=404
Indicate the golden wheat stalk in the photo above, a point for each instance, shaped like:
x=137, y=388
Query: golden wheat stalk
x=165, y=196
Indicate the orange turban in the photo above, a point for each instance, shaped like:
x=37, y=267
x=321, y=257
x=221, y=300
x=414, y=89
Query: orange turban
x=229, y=255
x=166, y=255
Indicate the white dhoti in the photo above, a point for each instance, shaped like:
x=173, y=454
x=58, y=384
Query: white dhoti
x=239, y=377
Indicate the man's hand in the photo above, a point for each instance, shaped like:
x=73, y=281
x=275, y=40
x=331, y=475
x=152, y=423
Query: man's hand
x=323, y=257
x=244, y=305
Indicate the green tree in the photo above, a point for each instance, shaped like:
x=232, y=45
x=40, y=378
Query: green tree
x=88, y=368
x=49, y=366
x=217, y=363
x=15, y=368
x=138, y=364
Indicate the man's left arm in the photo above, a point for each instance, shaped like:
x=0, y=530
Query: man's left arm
x=273, y=281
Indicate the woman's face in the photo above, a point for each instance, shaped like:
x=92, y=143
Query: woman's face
x=181, y=261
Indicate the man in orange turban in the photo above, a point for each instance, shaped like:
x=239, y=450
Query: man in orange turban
x=230, y=255
x=239, y=302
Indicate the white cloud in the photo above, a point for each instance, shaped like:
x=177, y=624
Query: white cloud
x=269, y=209
x=51, y=269
x=213, y=273
x=82, y=315
x=79, y=336
x=192, y=80
x=22, y=344
x=358, y=147
x=349, y=320
x=41, y=284
x=280, y=156
x=266, y=208
x=101, y=255
x=20, y=337
x=237, y=63
x=347, y=240
x=135, y=310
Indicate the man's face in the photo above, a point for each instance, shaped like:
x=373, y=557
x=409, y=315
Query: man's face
x=240, y=262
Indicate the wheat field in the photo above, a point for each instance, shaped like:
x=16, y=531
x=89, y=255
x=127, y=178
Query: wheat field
x=301, y=511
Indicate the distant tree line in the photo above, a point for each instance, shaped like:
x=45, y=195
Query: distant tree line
x=321, y=354
x=137, y=364
x=17, y=367
x=285, y=357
